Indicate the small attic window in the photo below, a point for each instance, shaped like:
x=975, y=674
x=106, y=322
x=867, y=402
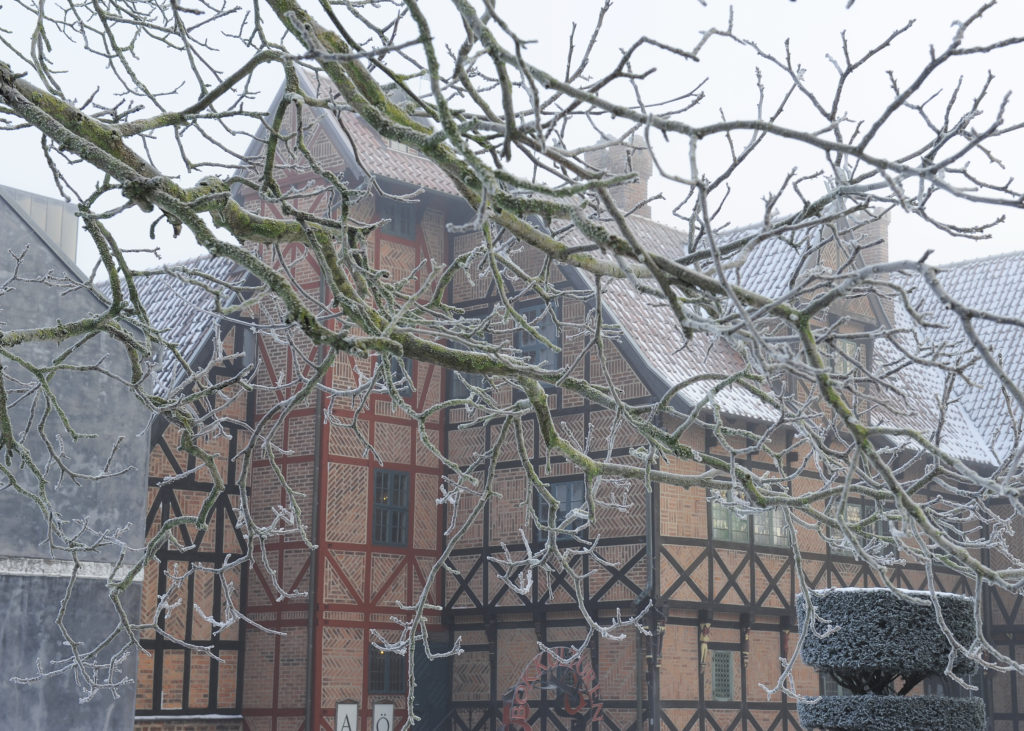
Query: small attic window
x=400, y=218
x=850, y=356
x=398, y=146
x=536, y=351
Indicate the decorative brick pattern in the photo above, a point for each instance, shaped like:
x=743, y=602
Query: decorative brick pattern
x=342, y=668
x=424, y=518
x=393, y=442
x=432, y=228
x=398, y=258
x=386, y=590
x=471, y=676
x=516, y=648
x=347, y=503
x=358, y=584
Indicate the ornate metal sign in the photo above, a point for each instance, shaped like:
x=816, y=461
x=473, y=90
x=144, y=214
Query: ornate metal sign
x=573, y=681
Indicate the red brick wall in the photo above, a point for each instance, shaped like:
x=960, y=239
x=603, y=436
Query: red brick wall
x=198, y=724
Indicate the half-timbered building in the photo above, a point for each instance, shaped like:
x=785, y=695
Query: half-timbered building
x=716, y=587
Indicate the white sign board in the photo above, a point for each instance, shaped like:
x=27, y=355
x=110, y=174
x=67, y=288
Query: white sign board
x=383, y=716
x=347, y=717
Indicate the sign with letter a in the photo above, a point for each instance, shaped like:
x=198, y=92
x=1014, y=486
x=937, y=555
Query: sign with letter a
x=347, y=717
x=383, y=716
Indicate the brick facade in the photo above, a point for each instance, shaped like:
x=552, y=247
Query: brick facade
x=708, y=595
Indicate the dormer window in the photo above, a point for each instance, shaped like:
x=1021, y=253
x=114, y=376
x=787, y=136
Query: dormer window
x=533, y=349
x=402, y=375
x=400, y=218
x=850, y=354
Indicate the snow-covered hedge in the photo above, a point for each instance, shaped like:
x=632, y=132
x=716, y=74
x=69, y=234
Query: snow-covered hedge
x=873, y=629
x=892, y=713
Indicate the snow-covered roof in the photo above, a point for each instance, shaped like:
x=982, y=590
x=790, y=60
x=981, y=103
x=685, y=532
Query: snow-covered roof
x=773, y=267
x=777, y=267
x=652, y=331
x=994, y=285
x=184, y=302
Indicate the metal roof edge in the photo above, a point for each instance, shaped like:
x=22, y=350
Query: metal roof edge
x=72, y=267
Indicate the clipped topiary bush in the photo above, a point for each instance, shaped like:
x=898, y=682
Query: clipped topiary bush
x=875, y=638
x=875, y=628
x=892, y=713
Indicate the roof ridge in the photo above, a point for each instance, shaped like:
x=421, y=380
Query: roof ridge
x=965, y=263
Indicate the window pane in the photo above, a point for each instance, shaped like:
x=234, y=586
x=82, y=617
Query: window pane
x=770, y=529
x=402, y=218
x=721, y=675
x=854, y=513
x=387, y=672
x=391, y=508
x=571, y=495
x=726, y=525
x=457, y=382
x=401, y=375
x=533, y=349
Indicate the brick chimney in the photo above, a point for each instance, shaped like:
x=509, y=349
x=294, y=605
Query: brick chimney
x=631, y=156
x=875, y=228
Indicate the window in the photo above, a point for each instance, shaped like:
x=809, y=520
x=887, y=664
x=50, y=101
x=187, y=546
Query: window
x=401, y=375
x=721, y=675
x=829, y=686
x=949, y=688
x=533, y=349
x=770, y=529
x=850, y=356
x=570, y=496
x=457, y=382
x=390, y=508
x=387, y=672
x=400, y=218
x=854, y=513
x=727, y=525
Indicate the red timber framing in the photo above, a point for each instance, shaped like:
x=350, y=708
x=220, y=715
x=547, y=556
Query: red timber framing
x=353, y=583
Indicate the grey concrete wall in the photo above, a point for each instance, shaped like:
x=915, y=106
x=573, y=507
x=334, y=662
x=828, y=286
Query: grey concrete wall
x=98, y=405
x=28, y=634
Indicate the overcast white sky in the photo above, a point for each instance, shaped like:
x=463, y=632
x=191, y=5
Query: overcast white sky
x=814, y=27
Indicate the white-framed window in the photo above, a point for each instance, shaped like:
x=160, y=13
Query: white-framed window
x=829, y=686
x=855, y=513
x=770, y=529
x=728, y=525
x=848, y=356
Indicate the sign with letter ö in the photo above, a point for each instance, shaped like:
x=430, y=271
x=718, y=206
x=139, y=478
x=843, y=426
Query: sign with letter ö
x=383, y=716
x=347, y=717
